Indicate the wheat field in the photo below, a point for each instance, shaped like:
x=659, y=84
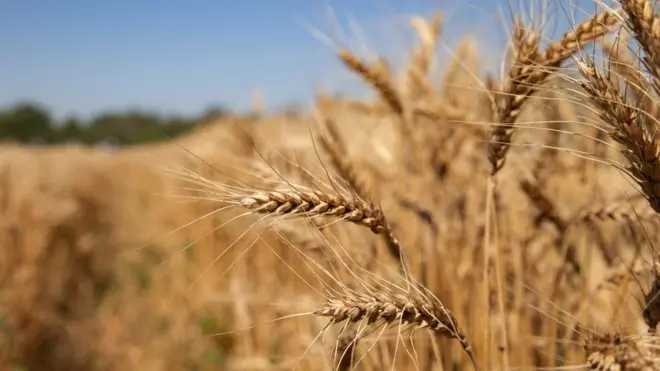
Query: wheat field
x=468, y=221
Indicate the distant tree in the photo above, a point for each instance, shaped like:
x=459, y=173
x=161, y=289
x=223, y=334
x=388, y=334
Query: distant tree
x=129, y=127
x=70, y=130
x=25, y=122
x=31, y=123
x=214, y=112
x=176, y=126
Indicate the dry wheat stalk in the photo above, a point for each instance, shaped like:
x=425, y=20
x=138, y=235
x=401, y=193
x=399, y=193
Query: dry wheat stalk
x=629, y=128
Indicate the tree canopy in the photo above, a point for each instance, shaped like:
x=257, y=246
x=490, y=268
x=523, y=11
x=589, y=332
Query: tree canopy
x=30, y=122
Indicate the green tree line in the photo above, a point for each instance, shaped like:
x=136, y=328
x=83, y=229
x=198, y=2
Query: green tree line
x=30, y=122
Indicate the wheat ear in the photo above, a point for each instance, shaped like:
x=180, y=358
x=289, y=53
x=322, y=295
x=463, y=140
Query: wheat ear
x=518, y=88
x=585, y=32
x=530, y=69
x=612, y=352
x=307, y=202
x=629, y=128
x=377, y=76
x=396, y=309
x=422, y=56
x=621, y=211
x=646, y=28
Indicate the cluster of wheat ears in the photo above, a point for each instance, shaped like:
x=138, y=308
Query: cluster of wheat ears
x=532, y=280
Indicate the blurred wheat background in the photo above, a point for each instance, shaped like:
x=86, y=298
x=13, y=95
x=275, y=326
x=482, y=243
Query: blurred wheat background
x=470, y=214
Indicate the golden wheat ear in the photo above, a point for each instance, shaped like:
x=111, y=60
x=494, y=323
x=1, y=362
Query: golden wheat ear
x=510, y=100
x=419, y=67
x=629, y=127
x=395, y=309
x=529, y=69
x=292, y=202
x=616, y=352
x=624, y=211
x=376, y=75
x=645, y=27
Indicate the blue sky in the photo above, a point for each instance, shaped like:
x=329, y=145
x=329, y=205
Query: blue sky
x=82, y=57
